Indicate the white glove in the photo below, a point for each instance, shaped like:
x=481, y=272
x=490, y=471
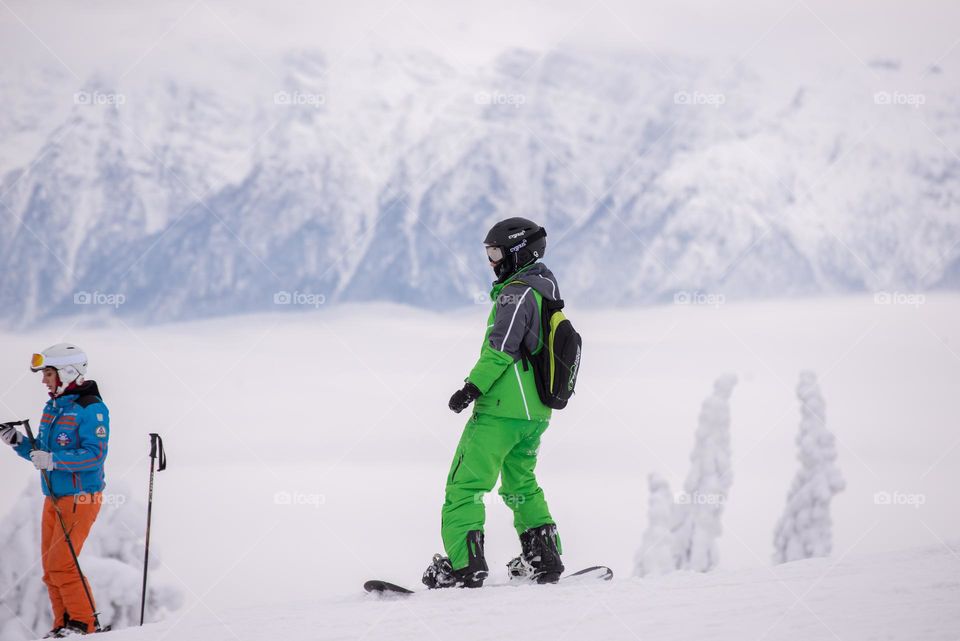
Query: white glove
x=10, y=435
x=42, y=460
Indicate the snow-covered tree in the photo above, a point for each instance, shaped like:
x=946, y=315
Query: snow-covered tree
x=805, y=529
x=655, y=555
x=682, y=530
x=699, y=509
x=112, y=559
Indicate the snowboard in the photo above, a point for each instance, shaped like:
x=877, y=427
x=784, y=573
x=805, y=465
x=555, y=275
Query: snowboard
x=594, y=573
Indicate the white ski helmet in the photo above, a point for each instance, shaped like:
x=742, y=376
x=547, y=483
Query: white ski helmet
x=69, y=360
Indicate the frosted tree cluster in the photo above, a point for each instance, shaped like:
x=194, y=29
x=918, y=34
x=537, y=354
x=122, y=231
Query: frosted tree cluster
x=805, y=529
x=112, y=559
x=683, y=530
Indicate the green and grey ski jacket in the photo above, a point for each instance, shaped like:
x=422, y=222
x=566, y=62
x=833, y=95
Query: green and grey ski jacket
x=508, y=390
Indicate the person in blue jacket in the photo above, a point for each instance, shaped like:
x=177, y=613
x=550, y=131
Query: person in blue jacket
x=71, y=446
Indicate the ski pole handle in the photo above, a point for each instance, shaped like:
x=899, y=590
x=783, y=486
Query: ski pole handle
x=156, y=448
x=26, y=426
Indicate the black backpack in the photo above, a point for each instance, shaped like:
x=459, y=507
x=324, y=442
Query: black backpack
x=557, y=358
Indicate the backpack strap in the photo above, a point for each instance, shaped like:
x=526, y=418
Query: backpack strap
x=553, y=305
x=524, y=358
x=516, y=282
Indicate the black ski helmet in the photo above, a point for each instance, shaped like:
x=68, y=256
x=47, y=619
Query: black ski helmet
x=521, y=242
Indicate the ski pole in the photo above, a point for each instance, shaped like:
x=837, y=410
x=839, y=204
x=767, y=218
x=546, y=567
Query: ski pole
x=63, y=526
x=156, y=450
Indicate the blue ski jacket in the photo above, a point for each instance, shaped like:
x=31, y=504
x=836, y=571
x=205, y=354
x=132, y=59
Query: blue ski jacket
x=76, y=428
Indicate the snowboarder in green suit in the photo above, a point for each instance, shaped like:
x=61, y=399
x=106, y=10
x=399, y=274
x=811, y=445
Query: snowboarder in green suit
x=502, y=437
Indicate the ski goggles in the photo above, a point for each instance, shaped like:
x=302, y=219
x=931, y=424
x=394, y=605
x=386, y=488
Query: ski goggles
x=39, y=361
x=494, y=254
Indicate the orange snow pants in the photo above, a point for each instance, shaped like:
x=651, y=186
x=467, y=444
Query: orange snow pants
x=67, y=596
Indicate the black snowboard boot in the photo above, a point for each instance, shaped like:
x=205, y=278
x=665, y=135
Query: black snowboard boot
x=440, y=574
x=540, y=558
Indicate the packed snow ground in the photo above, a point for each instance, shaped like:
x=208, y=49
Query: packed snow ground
x=908, y=595
x=308, y=453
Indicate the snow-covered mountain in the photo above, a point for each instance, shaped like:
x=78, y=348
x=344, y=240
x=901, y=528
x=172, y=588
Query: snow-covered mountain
x=168, y=197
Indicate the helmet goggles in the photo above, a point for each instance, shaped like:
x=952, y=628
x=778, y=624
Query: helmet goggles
x=494, y=254
x=41, y=361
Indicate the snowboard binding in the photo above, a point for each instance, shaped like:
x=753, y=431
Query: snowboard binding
x=539, y=560
x=440, y=573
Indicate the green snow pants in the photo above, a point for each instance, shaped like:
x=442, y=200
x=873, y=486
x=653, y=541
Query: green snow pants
x=491, y=447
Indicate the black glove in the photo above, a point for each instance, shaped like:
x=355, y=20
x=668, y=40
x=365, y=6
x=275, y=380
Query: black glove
x=463, y=397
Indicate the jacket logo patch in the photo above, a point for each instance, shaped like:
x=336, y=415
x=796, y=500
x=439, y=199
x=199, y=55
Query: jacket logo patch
x=101, y=431
x=99, y=417
x=62, y=439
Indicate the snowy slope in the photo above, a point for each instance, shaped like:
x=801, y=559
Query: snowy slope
x=345, y=410
x=373, y=177
x=897, y=596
